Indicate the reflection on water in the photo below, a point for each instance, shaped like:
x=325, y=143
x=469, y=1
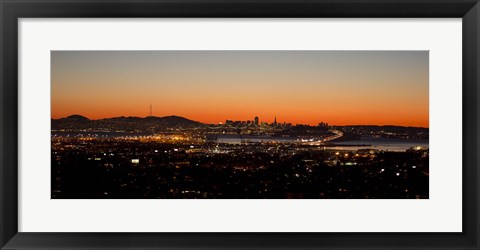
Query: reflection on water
x=380, y=144
x=237, y=139
x=363, y=143
x=387, y=144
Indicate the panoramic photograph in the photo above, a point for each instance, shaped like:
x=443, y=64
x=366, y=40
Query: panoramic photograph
x=240, y=124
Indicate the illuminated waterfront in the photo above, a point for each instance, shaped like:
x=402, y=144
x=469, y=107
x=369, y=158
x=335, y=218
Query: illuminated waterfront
x=310, y=162
x=240, y=124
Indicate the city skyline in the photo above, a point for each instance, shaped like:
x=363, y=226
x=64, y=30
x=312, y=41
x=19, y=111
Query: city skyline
x=260, y=121
x=298, y=87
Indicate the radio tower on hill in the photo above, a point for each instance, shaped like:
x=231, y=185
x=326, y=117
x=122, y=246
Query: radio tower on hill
x=150, y=110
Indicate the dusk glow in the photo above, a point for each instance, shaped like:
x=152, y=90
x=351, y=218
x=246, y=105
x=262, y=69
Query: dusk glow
x=304, y=87
x=240, y=125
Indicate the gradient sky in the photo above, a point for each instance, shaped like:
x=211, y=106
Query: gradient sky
x=308, y=87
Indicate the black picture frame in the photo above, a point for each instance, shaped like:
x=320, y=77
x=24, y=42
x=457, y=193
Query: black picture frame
x=11, y=11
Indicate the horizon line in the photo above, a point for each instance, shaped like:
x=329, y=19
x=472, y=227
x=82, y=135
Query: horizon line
x=380, y=125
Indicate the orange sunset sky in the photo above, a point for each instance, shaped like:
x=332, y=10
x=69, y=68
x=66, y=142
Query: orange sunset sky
x=307, y=87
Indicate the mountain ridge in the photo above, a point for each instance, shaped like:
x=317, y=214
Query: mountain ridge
x=130, y=123
x=179, y=120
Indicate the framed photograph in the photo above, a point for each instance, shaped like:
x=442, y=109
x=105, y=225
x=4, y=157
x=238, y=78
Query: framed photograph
x=239, y=124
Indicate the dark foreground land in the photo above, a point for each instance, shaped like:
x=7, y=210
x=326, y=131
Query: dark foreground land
x=136, y=169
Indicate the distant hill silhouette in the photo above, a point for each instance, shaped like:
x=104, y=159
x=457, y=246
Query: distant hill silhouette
x=76, y=118
x=153, y=124
x=127, y=124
